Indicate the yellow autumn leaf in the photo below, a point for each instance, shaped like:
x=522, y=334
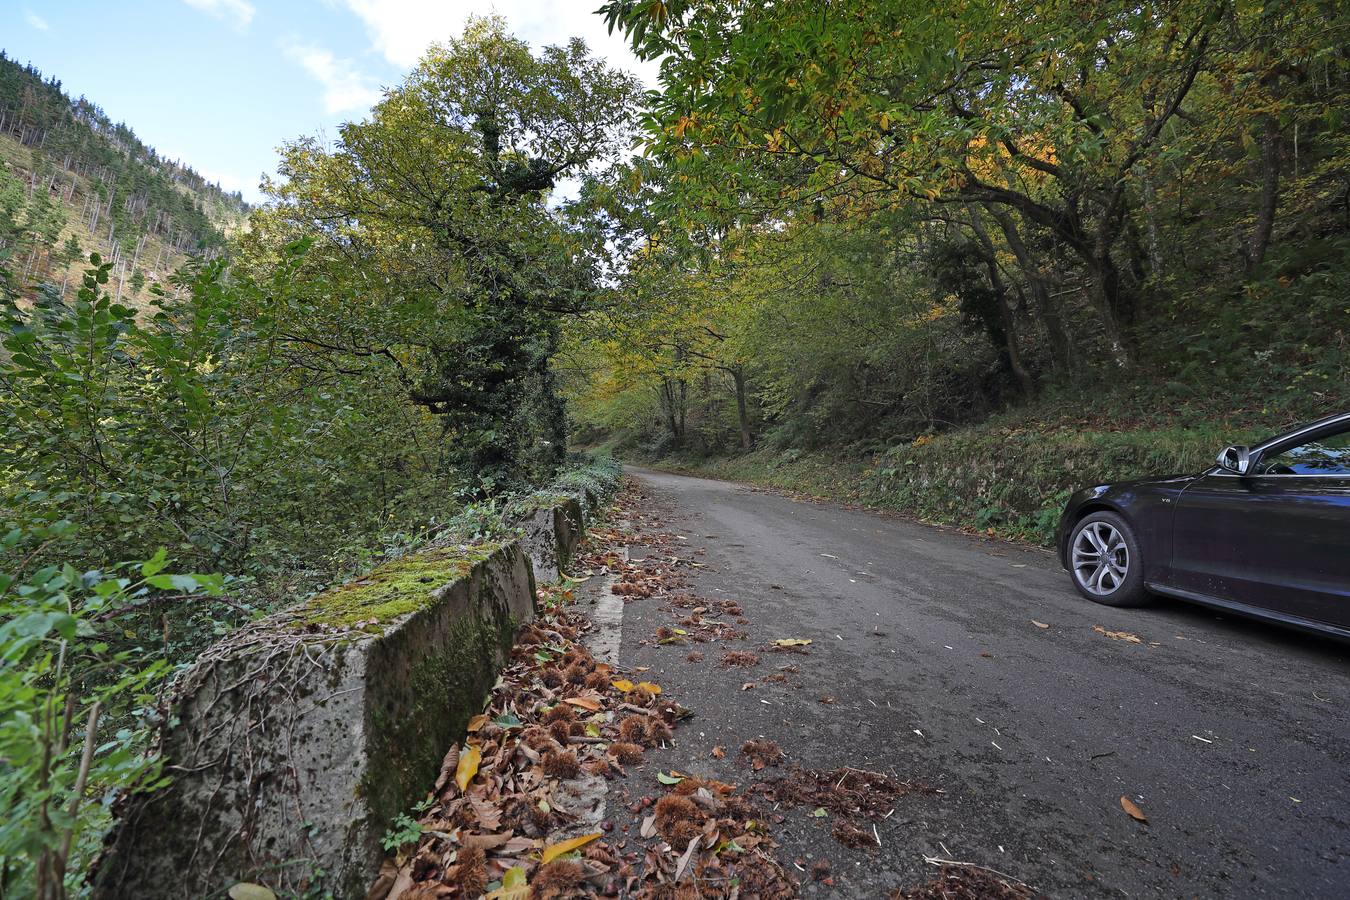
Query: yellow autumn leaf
x=468, y=767
x=515, y=886
x=650, y=687
x=553, y=851
x=623, y=684
x=477, y=722
x=792, y=642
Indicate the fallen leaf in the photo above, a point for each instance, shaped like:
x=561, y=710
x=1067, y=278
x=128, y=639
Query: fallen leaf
x=1118, y=635
x=249, y=891
x=448, y=767
x=719, y=752
x=515, y=886
x=688, y=855
x=650, y=687
x=477, y=723
x=648, y=826
x=669, y=779
x=553, y=851
x=584, y=703
x=792, y=642
x=1039, y=624
x=623, y=684
x=469, y=759
x=1132, y=809
x=484, y=841
x=489, y=814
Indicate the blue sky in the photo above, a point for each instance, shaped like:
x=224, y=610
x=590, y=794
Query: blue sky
x=222, y=83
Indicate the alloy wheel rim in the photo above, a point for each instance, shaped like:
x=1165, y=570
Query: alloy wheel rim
x=1101, y=559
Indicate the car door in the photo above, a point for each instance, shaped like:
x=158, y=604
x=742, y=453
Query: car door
x=1278, y=538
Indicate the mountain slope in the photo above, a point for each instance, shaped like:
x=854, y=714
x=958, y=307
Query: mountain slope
x=73, y=182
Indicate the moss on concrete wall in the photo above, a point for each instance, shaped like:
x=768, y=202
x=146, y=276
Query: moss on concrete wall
x=394, y=589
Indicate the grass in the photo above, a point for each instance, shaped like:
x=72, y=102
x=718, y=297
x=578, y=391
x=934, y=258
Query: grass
x=1007, y=477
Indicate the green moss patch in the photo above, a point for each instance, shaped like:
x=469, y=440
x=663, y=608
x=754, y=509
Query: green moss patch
x=394, y=589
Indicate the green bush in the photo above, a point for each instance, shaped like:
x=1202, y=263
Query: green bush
x=77, y=704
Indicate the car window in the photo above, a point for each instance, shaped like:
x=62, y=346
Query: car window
x=1329, y=455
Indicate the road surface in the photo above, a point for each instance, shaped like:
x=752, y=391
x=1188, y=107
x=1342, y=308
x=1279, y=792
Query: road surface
x=927, y=663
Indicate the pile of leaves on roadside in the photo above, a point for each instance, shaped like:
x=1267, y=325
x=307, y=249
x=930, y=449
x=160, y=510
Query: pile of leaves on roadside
x=514, y=812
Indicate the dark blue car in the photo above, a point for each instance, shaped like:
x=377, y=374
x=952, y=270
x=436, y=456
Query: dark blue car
x=1265, y=532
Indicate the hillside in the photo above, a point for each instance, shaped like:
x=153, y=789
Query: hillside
x=73, y=182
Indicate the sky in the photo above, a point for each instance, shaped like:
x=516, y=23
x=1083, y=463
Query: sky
x=221, y=84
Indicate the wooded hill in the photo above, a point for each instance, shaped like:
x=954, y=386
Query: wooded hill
x=899, y=230
x=73, y=182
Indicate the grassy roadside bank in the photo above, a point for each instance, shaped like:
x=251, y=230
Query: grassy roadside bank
x=1006, y=481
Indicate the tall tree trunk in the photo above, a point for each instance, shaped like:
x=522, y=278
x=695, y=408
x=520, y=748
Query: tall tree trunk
x=1107, y=299
x=1155, y=256
x=1269, y=197
x=1005, y=311
x=1061, y=348
x=742, y=408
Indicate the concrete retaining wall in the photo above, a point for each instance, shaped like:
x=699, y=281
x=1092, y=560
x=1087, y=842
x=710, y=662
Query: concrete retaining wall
x=295, y=742
x=301, y=737
x=551, y=527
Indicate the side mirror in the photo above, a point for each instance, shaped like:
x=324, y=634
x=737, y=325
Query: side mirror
x=1237, y=460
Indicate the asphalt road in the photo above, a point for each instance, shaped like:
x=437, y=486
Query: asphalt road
x=1232, y=737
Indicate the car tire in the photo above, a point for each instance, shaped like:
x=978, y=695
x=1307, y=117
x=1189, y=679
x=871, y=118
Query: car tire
x=1114, y=577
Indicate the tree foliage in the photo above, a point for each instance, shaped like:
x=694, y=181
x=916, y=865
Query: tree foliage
x=436, y=251
x=1048, y=191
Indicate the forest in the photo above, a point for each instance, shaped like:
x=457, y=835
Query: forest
x=950, y=260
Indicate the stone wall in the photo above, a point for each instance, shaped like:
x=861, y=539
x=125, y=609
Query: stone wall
x=299, y=738
x=550, y=526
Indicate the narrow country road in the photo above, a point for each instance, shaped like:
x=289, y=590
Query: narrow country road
x=927, y=663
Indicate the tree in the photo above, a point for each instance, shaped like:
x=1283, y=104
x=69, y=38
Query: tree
x=1053, y=112
x=435, y=244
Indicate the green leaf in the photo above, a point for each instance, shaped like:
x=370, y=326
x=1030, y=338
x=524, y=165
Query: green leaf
x=156, y=563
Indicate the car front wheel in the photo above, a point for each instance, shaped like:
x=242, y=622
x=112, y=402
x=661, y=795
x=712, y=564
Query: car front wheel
x=1105, y=562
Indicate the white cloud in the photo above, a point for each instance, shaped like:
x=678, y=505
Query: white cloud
x=35, y=20
x=344, y=88
x=237, y=12
x=401, y=29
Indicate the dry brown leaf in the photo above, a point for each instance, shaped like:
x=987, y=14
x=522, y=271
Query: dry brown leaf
x=477, y=723
x=584, y=703
x=719, y=752
x=489, y=814
x=1118, y=635
x=1132, y=809
x=448, y=767
x=485, y=841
